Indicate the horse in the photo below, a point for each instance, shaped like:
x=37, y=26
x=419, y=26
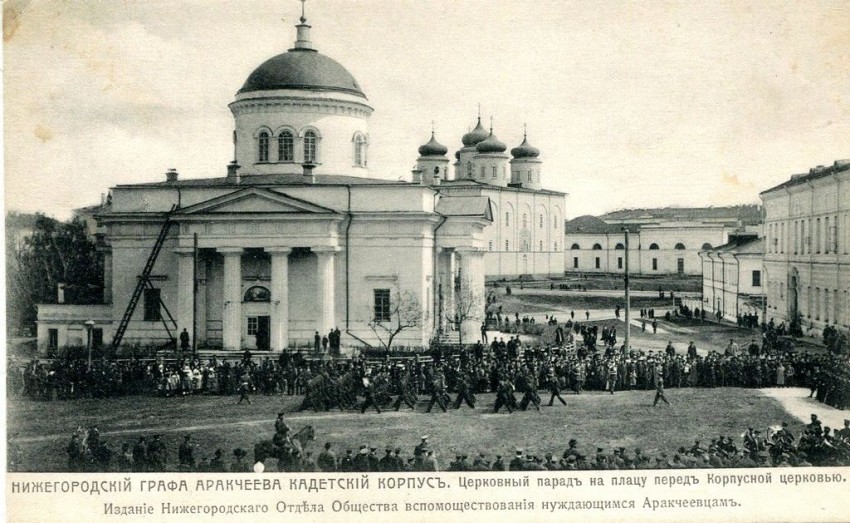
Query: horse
x=287, y=453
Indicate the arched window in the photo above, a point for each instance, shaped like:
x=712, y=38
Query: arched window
x=529, y=176
x=575, y=247
x=310, y=147
x=555, y=222
x=680, y=247
x=619, y=247
x=653, y=247
x=507, y=245
x=541, y=221
x=359, y=150
x=495, y=173
x=482, y=172
x=706, y=246
x=507, y=219
x=469, y=169
x=524, y=220
x=257, y=293
x=285, y=147
x=541, y=246
x=597, y=247
x=263, y=147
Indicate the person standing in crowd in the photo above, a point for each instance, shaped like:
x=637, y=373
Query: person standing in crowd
x=659, y=386
x=244, y=388
x=554, y=387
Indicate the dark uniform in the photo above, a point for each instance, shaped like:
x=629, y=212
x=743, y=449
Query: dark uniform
x=659, y=390
x=464, y=392
x=505, y=396
x=406, y=393
x=369, y=394
x=530, y=391
x=438, y=392
x=554, y=388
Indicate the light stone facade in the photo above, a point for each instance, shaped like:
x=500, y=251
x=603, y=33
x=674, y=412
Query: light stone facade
x=733, y=279
x=807, y=251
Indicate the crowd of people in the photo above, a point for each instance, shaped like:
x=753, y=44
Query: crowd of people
x=776, y=446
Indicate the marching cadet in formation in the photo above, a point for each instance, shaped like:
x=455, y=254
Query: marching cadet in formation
x=554, y=387
x=464, y=391
x=438, y=391
x=369, y=394
x=505, y=396
x=528, y=380
x=406, y=391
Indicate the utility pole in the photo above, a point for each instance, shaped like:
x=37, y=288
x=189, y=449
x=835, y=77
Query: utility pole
x=195, y=294
x=628, y=303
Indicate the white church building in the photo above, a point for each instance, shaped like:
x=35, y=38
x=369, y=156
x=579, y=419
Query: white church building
x=298, y=239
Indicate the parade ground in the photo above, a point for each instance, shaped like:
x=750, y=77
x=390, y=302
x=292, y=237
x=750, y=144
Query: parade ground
x=626, y=419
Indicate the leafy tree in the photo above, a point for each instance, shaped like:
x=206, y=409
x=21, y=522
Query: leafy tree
x=41, y=256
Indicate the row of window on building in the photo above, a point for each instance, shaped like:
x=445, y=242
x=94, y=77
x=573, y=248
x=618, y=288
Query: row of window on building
x=807, y=236
x=652, y=247
x=525, y=246
x=542, y=220
x=597, y=263
x=816, y=303
x=285, y=141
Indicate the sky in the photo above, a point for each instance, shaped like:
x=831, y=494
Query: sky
x=642, y=104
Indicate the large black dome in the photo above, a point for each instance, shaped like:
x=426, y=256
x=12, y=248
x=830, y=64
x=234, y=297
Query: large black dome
x=302, y=69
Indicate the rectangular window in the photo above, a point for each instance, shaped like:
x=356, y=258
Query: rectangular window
x=490, y=246
x=507, y=246
x=152, y=305
x=620, y=263
x=96, y=338
x=253, y=322
x=575, y=262
x=541, y=246
x=597, y=262
x=507, y=219
x=382, y=305
x=52, y=338
x=541, y=221
x=556, y=247
x=655, y=264
x=756, y=278
x=680, y=265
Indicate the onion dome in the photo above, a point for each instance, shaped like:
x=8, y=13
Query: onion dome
x=473, y=137
x=433, y=148
x=491, y=145
x=525, y=150
x=457, y=155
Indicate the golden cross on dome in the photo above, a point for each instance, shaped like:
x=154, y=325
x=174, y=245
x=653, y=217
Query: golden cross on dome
x=303, y=16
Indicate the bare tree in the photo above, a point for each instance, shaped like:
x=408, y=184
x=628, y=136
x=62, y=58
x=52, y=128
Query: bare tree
x=468, y=305
x=404, y=312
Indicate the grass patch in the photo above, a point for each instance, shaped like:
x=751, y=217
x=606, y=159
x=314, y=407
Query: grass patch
x=625, y=419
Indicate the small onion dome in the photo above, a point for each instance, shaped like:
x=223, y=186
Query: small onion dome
x=473, y=137
x=433, y=148
x=525, y=150
x=491, y=145
x=457, y=155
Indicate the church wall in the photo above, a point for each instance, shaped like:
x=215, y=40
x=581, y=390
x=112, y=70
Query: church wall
x=335, y=152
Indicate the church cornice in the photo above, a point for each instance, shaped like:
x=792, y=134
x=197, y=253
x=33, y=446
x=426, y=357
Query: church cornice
x=300, y=105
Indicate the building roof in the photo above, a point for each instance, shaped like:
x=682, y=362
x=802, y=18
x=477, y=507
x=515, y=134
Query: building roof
x=271, y=179
x=465, y=206
x=588, y=224
x=746, y=214
x=741, y=244
x=304, y=69
x=511, y=187
x=814, y=173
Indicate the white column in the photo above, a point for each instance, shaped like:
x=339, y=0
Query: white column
x=471, y=302
x=446, y=268
x=280, y=297
x=326, y=291
x=232, y=315
x=185, y=290
x=107, y=276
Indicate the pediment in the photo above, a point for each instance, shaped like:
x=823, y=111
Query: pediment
x=255, y=200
